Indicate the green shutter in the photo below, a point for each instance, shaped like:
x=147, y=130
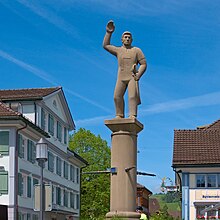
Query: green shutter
x=29, y=151
x=20, y=184
x=20, y=147
x=3, y=182
x=42, y=119
x=4, y=142
x=29, y=186
x=35, y=181
x=33, y=158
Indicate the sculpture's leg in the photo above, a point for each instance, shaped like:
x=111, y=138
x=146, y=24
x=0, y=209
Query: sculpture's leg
x=120, y=89
x=132, y=96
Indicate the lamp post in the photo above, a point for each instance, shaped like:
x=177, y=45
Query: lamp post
x=41, y=157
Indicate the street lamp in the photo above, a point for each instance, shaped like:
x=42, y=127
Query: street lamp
x=41, y=157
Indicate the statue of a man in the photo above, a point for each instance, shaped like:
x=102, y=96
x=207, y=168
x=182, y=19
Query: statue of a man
x=128, y=75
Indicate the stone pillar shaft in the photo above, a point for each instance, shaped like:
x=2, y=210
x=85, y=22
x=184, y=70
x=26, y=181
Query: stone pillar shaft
x=124, y=159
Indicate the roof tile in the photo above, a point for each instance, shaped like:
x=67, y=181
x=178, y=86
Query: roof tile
x=196, y=147
x=6, y=111
x=23, y=94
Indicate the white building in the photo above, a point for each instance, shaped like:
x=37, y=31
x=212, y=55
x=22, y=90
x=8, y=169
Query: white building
x=26, y=115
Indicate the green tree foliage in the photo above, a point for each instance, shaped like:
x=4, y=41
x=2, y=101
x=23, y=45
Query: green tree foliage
x=162, y=214
x=95, y=188
x=171, y=197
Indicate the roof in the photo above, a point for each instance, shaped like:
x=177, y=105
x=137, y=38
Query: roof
x=197, y=147
x=26, y=94
x=139, y=186
x=36, y=94
x=7, y=113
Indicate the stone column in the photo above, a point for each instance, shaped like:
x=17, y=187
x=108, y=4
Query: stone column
x=124, y=159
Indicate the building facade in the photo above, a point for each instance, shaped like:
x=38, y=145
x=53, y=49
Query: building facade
x=142, y=198
x=196, y=162
x=26, y=115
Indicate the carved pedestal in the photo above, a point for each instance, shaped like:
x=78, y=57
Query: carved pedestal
x=124, y=159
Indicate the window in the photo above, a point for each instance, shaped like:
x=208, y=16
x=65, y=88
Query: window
x=20, y=146
x=59, y=166
x=21, y=216
x=59, y=131
x=54, y=103
x=218, y=180
x=50, y=162
x=3, y=182
x=72, y=173
x=51, y=124
x=65, y=136
x=72, y=200
x=65, y=170
x=35, y=217
x=28, y=216
x=66, y=194
x=200, y=180
x=211, y=180
x=20, y=185
x=43, y=119
x=4, y=142
x=31, y=152
x=208, y=180
x=58, y=196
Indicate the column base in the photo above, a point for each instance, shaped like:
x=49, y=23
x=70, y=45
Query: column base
x=123, y=215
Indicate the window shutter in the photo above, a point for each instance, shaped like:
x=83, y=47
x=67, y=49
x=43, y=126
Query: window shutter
x=3, y=182
x=29, y=150
x=33, y=155
x=42, y=119
x=20, y=147
x=19, y=184
x=65, y=135
x=51, y=124
x=29, y=186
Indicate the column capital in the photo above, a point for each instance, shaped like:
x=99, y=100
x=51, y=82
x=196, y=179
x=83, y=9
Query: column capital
x=124, y=124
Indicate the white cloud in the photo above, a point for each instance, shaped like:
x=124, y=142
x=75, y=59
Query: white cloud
x=50, y=16
x=47, y=77
x=171, y=106
x=127, y=8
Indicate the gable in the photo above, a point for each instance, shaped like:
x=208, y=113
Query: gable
x=56, y=102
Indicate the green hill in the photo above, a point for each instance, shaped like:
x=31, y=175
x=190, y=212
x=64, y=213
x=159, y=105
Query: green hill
x=171, y=200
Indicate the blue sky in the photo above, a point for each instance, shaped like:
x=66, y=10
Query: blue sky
x=52, y=42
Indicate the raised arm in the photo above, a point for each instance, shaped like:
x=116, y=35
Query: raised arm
x=106, y=42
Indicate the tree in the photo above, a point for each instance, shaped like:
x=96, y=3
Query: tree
x=171, y=197
x=95, y=188
x=162, y=214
